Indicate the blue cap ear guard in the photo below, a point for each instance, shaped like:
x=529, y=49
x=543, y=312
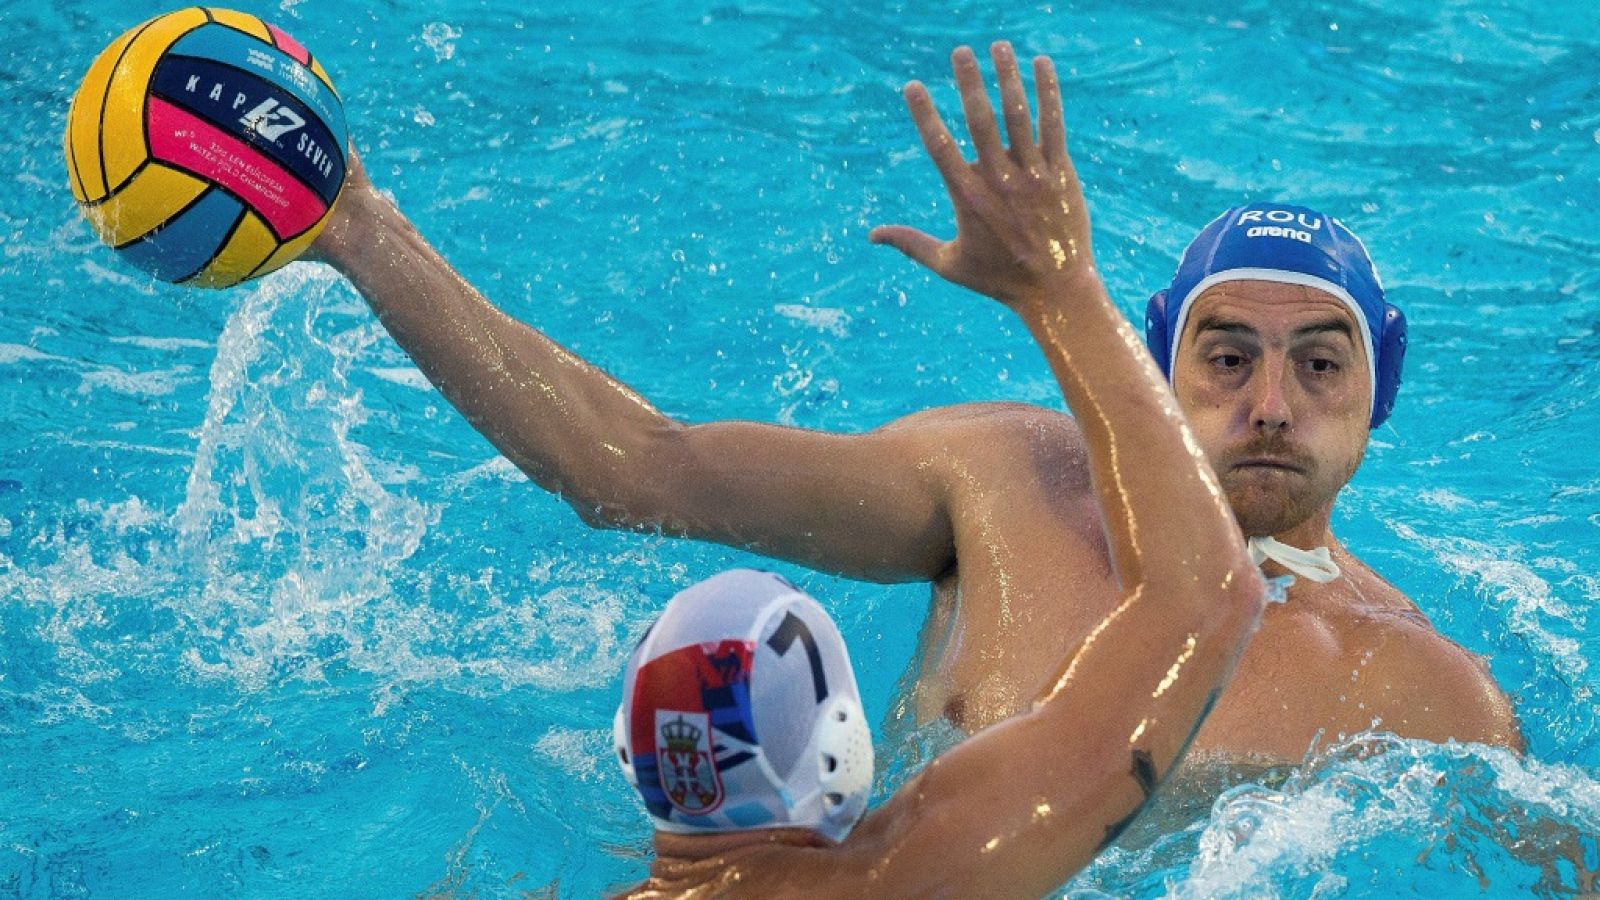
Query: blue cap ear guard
x=1291, y=245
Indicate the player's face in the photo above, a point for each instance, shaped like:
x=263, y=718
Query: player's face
x=1273, y=379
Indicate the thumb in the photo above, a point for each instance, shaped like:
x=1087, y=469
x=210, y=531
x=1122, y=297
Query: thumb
x=919, y=245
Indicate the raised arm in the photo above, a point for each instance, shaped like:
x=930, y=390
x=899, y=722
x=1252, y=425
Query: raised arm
x=1021, y=806
x=862, y=505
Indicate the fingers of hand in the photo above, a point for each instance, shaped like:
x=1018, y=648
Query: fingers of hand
x=918, y=245
x=975, y=105
x=1014, y=103
x=1052, y=130
x=936, y=138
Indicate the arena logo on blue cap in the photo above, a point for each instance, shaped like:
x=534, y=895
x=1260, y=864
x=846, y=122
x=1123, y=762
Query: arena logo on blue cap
x=1287, y=244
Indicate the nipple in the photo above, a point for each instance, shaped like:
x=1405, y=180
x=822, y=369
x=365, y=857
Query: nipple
x=1316, y=565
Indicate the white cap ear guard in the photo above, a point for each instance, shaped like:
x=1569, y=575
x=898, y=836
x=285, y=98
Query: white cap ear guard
x=844, y=760
x=619, y=743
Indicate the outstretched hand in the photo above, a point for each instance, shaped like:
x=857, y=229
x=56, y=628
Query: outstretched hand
x=1020, y=216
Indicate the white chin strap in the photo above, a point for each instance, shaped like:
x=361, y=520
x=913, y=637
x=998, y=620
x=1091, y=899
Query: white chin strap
x=1315, y=565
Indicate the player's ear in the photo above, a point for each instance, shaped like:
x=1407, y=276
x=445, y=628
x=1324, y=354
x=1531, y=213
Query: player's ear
x=1155, y=332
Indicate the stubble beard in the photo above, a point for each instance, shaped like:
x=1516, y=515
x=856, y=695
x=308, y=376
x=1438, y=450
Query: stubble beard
x=1262, y=513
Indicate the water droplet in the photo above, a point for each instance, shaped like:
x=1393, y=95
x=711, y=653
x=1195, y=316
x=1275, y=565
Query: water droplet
x=440, y=38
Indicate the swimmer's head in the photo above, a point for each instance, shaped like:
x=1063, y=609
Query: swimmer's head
x=740, y=711
x=1288, y=244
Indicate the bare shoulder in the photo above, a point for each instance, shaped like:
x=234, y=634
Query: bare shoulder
x=1002, y=441
x=1422, y=683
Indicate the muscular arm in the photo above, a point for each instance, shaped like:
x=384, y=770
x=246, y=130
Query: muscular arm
x=871, y=506
x=1017, y=809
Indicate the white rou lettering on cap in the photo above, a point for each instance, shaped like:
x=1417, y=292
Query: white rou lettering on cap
x=1282, y=217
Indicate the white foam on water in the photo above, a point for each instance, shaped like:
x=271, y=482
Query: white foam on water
x=76, y=590
x=830, y=319
x=496, y=468
x=1530, y=603
x=124, y=446
x=64, y=703
x=799, y=384
x=1445, y=499
x=1379, y=787
x=11, y=354
x=158, y=343
x=154, y=383
x=408, y=376
x=441, y=37
x=132, y=514
x=577, y=752
x=564, y=638
x=101, y=275
x=73, y=580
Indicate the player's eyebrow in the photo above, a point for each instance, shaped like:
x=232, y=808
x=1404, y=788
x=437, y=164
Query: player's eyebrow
x=1325, y=326
x=1217, y=323
x=1333, y=325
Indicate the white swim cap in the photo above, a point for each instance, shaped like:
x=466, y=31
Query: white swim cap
x=740, y=710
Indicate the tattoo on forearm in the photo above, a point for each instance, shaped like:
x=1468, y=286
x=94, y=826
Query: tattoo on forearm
x=1144, y=772
x=1149, y=777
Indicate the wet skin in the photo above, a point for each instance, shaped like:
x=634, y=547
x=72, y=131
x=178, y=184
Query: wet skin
x=991, y=503
x=1016, y=809
x=1079, y=565
x=1337, y=659
x=1274, y=381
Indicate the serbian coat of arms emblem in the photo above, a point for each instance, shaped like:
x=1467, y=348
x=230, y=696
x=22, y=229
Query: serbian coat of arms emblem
x=688, y=769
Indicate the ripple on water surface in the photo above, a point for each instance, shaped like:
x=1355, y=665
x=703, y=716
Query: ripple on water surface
x=274, y=616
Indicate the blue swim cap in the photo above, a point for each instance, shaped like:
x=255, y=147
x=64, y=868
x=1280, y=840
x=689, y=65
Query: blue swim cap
x=1287, y=244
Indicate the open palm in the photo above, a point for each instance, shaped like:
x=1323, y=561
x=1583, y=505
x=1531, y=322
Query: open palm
x=1020, y=216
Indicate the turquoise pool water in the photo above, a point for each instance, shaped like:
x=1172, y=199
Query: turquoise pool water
x=275, y=622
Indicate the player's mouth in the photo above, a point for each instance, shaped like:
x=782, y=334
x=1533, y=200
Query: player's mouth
x=1268, y=463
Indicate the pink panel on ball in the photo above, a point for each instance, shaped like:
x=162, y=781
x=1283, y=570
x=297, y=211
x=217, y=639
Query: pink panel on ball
x=290, y=46
x=185, y=140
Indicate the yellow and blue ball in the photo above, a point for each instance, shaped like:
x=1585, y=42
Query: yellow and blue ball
x=207, y=147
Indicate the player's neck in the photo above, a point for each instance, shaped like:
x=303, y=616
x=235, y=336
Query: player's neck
x=1316, y=531
x=1313, y=532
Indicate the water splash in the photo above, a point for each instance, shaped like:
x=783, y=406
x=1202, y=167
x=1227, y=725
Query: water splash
x=1375, y=816
x=1534, y=611
x=1463, y=813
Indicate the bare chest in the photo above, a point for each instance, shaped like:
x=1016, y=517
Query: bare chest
x=1299, y=683
x=1001, y=634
